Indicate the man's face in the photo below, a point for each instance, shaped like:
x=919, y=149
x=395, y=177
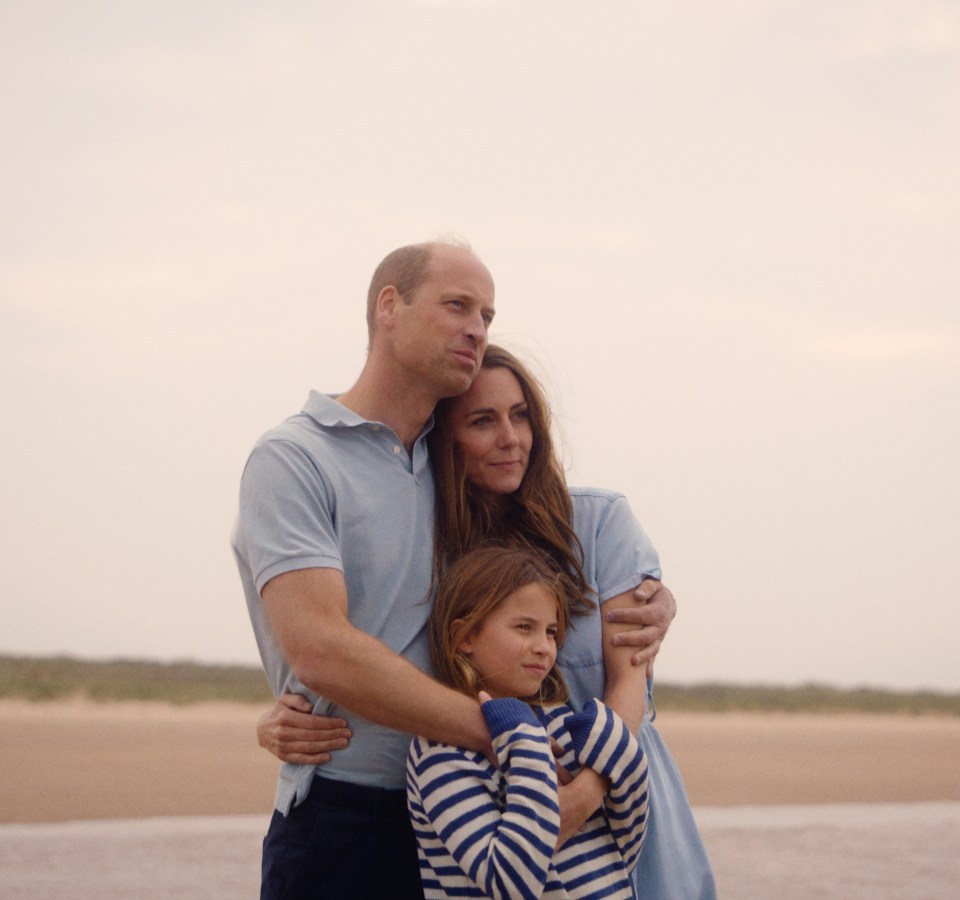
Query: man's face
x=441, y=327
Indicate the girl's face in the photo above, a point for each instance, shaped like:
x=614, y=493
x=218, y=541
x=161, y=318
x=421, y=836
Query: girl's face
x=515, y=647
x=491, y=428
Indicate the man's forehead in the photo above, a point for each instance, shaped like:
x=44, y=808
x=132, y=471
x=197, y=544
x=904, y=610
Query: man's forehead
x=461, y=269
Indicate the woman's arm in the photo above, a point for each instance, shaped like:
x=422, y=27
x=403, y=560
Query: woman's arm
x=626, y=690
x=452, y=800
x=293, y=734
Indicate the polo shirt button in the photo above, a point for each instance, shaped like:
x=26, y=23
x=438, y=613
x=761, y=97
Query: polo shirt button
x=396, y=450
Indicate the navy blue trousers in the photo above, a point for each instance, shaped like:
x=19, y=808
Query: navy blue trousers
x=344, y=842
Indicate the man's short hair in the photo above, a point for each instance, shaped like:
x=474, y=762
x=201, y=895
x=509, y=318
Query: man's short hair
x=405, y=268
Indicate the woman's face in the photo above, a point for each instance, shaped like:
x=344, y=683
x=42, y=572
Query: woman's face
x=491, y=428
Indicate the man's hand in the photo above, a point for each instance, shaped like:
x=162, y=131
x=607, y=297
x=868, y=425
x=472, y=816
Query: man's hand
x=655, y=609
x=291, y=733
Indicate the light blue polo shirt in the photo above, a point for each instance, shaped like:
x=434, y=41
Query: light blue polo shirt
x=329, y=489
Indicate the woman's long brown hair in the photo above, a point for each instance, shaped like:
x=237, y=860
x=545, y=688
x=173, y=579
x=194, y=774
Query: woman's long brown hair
x=539, y=514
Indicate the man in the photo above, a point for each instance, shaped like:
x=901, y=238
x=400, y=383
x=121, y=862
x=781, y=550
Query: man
x=334, y=544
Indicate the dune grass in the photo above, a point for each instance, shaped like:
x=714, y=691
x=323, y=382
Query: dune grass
x=52, y=678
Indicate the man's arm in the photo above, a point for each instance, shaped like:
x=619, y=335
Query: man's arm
x=308, y=611
x=646, y=619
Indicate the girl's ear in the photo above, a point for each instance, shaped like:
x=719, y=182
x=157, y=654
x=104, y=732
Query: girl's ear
x=466, y=643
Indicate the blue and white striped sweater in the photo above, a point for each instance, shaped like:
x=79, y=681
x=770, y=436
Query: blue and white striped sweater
x=485, y=831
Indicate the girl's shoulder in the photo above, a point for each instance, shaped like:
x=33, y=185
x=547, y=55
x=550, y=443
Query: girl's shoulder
x=421, y=748
x=552, y=715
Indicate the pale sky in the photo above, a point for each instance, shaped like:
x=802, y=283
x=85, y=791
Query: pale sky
x=725, y=232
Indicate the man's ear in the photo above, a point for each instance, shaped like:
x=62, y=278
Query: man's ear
x=387, y=301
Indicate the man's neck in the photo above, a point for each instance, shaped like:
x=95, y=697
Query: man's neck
x=395, y=403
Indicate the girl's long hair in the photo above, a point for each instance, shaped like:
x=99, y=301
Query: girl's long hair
x=473, y=587
x=539, y=513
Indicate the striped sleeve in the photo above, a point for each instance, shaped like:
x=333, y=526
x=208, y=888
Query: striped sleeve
x=603, y=743
x=505, y=850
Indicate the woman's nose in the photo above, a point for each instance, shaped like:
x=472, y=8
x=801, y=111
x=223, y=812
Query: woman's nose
x=508, y=437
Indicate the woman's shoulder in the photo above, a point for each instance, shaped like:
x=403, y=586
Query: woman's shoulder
x=594, y=504
x=580, y=494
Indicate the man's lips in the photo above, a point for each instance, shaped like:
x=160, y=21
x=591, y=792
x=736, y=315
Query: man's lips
x=467, y=356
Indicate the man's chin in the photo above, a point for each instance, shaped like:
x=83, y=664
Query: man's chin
x=458, y=384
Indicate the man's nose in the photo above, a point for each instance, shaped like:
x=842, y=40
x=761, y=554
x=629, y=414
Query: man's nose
x=477, y=329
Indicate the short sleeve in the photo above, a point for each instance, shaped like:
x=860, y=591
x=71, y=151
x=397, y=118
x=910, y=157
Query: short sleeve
x=623, y=554
x=286, y=519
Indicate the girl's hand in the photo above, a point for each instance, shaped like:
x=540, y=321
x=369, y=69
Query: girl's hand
x=484, y=697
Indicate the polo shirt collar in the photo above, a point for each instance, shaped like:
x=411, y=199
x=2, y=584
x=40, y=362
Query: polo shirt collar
x=325, y=410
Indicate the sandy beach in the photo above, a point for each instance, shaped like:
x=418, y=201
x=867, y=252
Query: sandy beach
x=791, y=800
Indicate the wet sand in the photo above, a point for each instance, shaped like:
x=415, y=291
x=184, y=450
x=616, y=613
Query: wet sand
x=147, y=800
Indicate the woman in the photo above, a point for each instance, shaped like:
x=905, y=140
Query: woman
x=498, y=478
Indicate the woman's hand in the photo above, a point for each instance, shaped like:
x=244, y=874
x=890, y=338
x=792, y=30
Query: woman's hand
x=646, y=621
x=291, y=733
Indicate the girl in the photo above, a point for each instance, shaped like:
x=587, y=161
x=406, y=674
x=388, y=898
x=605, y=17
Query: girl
x=486, y=830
